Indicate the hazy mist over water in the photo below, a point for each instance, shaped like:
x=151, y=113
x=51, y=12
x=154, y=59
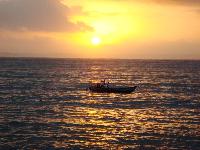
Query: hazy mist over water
x=44, y=104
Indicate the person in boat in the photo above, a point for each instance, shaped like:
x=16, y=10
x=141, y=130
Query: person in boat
x=104, y=84
x=100, y=84
x=108, y=84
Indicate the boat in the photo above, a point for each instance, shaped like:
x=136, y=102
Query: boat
x=106, y=88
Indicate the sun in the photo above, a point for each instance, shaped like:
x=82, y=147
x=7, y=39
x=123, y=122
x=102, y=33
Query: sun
x=96, y=40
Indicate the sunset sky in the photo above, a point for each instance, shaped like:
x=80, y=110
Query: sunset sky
x=138, y=29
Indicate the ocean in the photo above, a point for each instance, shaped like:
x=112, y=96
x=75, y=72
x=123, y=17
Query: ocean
x=45, y=104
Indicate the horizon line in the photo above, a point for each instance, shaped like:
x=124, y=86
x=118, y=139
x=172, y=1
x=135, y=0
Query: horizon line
x=105, y=58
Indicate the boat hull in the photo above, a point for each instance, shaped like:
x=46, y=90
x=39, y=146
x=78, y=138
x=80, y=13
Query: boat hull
x=126, y=90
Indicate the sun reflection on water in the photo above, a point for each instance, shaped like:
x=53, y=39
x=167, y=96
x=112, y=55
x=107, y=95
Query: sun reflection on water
x=101, y=126
x=49, y=104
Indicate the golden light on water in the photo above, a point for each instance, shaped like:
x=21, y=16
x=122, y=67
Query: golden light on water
x=69, y=117
x=47, y=103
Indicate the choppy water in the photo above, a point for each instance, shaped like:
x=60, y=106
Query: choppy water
x=44, y=104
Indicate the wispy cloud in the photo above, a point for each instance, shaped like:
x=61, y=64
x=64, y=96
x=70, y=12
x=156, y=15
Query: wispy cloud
x=181, y=2
x=38, y=15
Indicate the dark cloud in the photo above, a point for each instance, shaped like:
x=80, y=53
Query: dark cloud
x=38, y=15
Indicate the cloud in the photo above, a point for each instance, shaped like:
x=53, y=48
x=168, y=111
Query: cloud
x=179, y=2
x=180, y=49
x=182, y=2
x=33, y=46
x=38, y=15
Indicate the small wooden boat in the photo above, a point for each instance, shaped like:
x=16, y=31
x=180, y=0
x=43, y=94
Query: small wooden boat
x=105, y=88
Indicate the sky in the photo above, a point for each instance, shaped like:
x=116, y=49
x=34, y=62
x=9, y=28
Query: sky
x=133, y=29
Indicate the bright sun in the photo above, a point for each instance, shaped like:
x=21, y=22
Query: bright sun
x=96, y=40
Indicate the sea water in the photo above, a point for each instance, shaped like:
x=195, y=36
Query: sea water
x=45, y=104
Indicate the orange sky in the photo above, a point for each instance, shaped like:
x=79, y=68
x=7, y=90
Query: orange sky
x=122, y=29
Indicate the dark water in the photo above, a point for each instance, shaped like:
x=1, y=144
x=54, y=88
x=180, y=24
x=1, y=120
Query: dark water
x=44, y=104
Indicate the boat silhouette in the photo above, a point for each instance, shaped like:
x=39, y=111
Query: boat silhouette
x=106, y=88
